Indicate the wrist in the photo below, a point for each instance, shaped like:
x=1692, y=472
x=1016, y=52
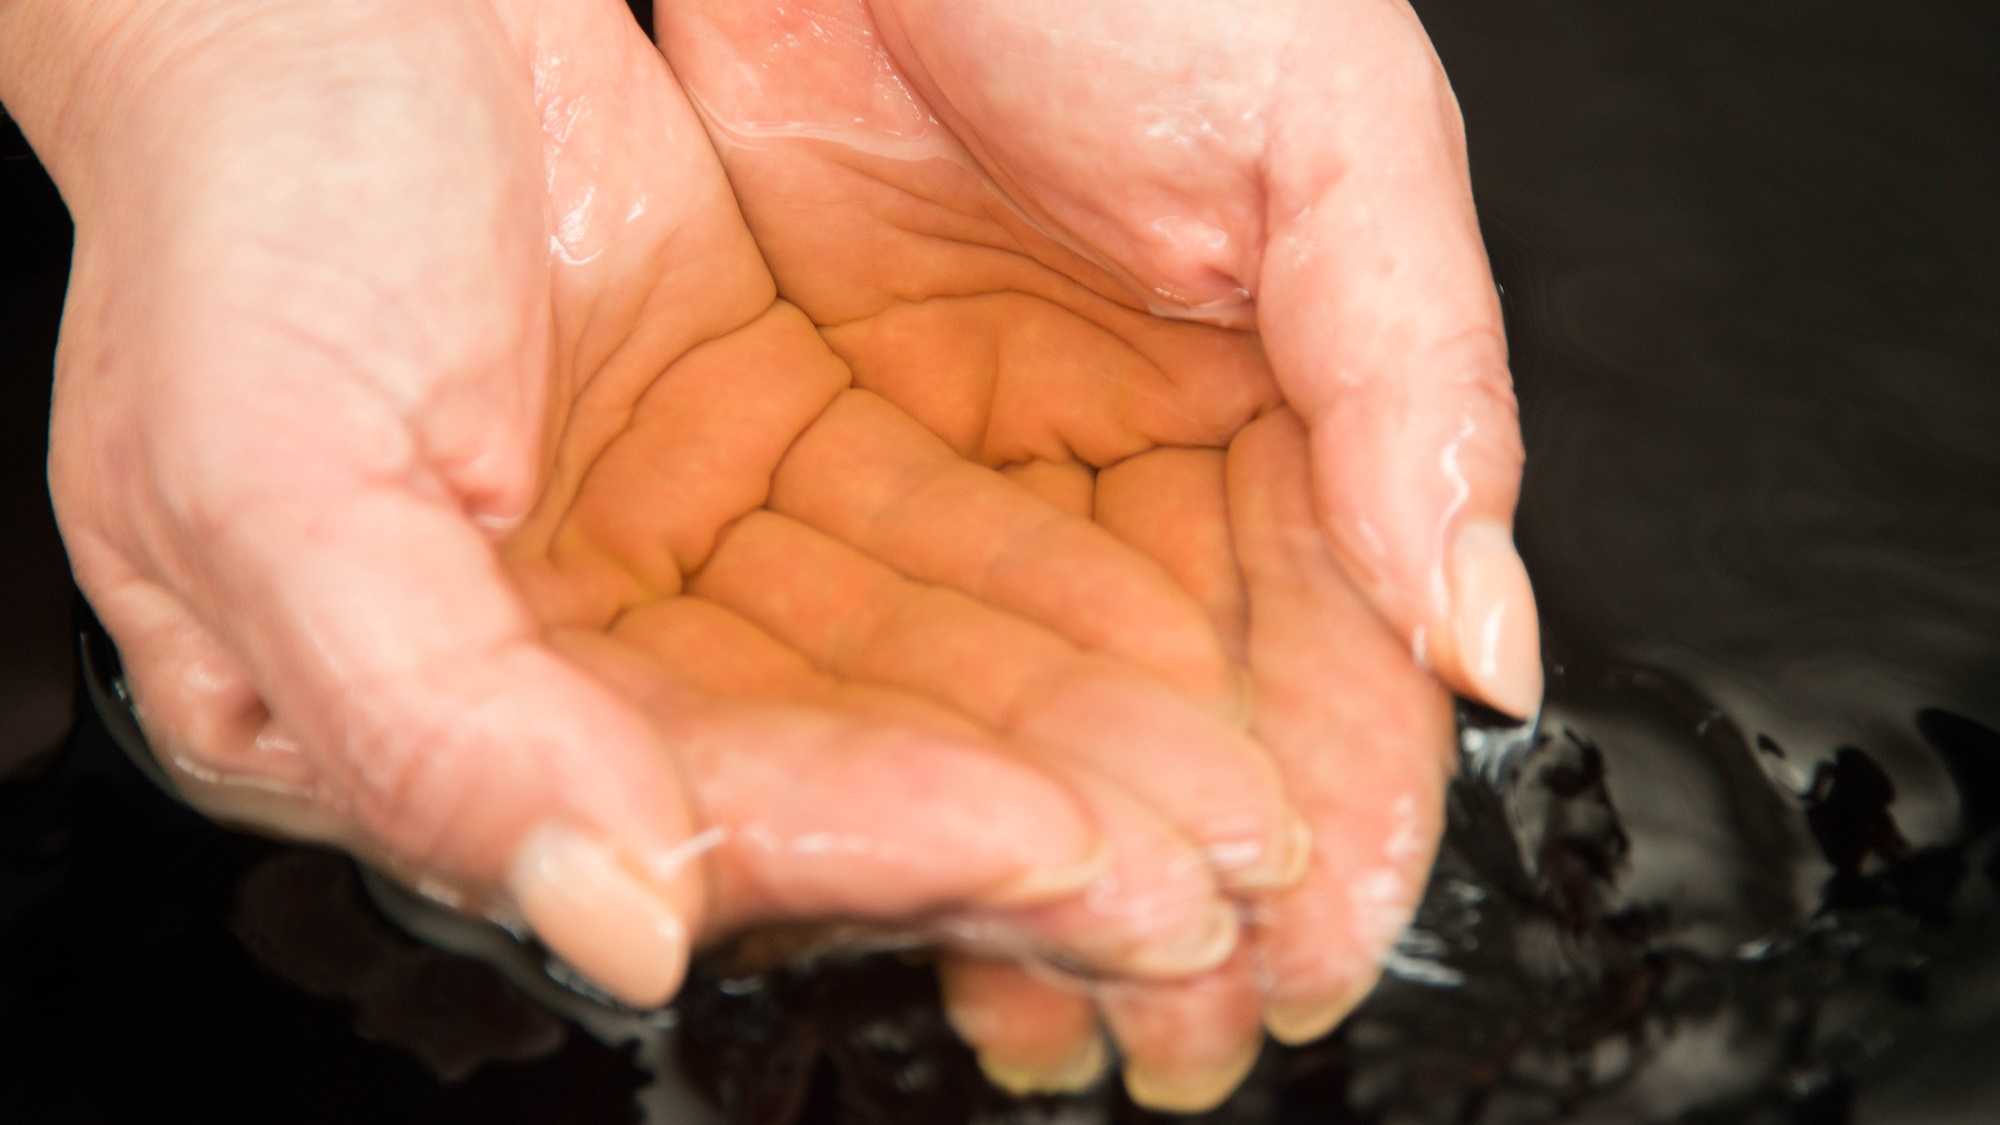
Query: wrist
x=113, y=93
x=52, y=69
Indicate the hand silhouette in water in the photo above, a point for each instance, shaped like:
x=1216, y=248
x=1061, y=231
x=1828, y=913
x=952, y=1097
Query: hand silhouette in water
x=464, y=484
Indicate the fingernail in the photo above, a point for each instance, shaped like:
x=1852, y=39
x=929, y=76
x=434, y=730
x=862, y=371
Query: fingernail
x=1190, y=1089
x=1203, y=947
x=1078, y=1072
x=1277, y=867
x=1296, y=1020
x=596, y=915
x=1499, y=642
x=1047, y=884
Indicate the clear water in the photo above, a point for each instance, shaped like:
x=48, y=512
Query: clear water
x=1749, y=870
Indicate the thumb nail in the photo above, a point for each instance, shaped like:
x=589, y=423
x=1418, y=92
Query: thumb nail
x=1499, y=640
x=608, y=924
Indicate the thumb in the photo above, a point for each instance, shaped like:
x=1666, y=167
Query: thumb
x=1384, y=331
x=384, y=638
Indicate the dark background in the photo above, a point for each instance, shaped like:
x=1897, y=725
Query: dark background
x=1750, y=255
x=35, y=608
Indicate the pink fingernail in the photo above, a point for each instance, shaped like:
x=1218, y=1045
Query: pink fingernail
x=1293, y=1020
x=1079, y=1071
x=1208, y=944
x=1191, y=1089
x=1499, y=640
x=1275, y=866
x=608, y=924
x=1047, y=884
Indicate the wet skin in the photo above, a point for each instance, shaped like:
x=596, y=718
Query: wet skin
x=479, y=472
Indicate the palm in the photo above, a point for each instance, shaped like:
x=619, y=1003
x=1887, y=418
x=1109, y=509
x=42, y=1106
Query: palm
x=992, y=252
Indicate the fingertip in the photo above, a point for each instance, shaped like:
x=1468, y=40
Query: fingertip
x=589, y=908
x=1191, y=1089
x=1194, y=949
x=1494, y=625
x=1031, y=1033
x=1053, y=879
x=1299, y=1018
x=1283, y=865
x=1074, y=1073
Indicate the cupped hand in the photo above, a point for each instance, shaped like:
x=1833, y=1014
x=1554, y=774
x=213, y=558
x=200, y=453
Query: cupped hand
x=1043, y=231
x=372, y=447
x=399, y=303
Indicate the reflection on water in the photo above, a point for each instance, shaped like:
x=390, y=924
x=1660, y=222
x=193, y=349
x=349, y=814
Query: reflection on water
x=1643, y=914
x=1748, y=870
x=1634, y=926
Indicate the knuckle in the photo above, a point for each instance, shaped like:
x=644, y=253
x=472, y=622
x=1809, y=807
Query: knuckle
x=406, y=780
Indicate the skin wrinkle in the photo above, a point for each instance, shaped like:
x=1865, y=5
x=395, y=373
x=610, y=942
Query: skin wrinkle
x=984, y=442
x=417, y=344
x=204, y=517
x=890, y=507
x=998, y=173
x=995, y=205
x=1223, y=424
x=544, y=80
x=656, y=259
x=686, y=569
x=860, y=637
x=410, y=466
x=1043, y=271
x=582, y=333
x=1055, y=517
x=1012, y=192
x=577, y=361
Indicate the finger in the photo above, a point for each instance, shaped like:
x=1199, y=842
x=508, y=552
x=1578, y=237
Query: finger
x=810, y=814
x=1172, y=505
x=1033, y=1034
x=1384, y=330
x=1153, y=911
x=1189, y=1043
x=870, y=476
x=1156, y=912
x=859, y=619
x=1363, y=736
